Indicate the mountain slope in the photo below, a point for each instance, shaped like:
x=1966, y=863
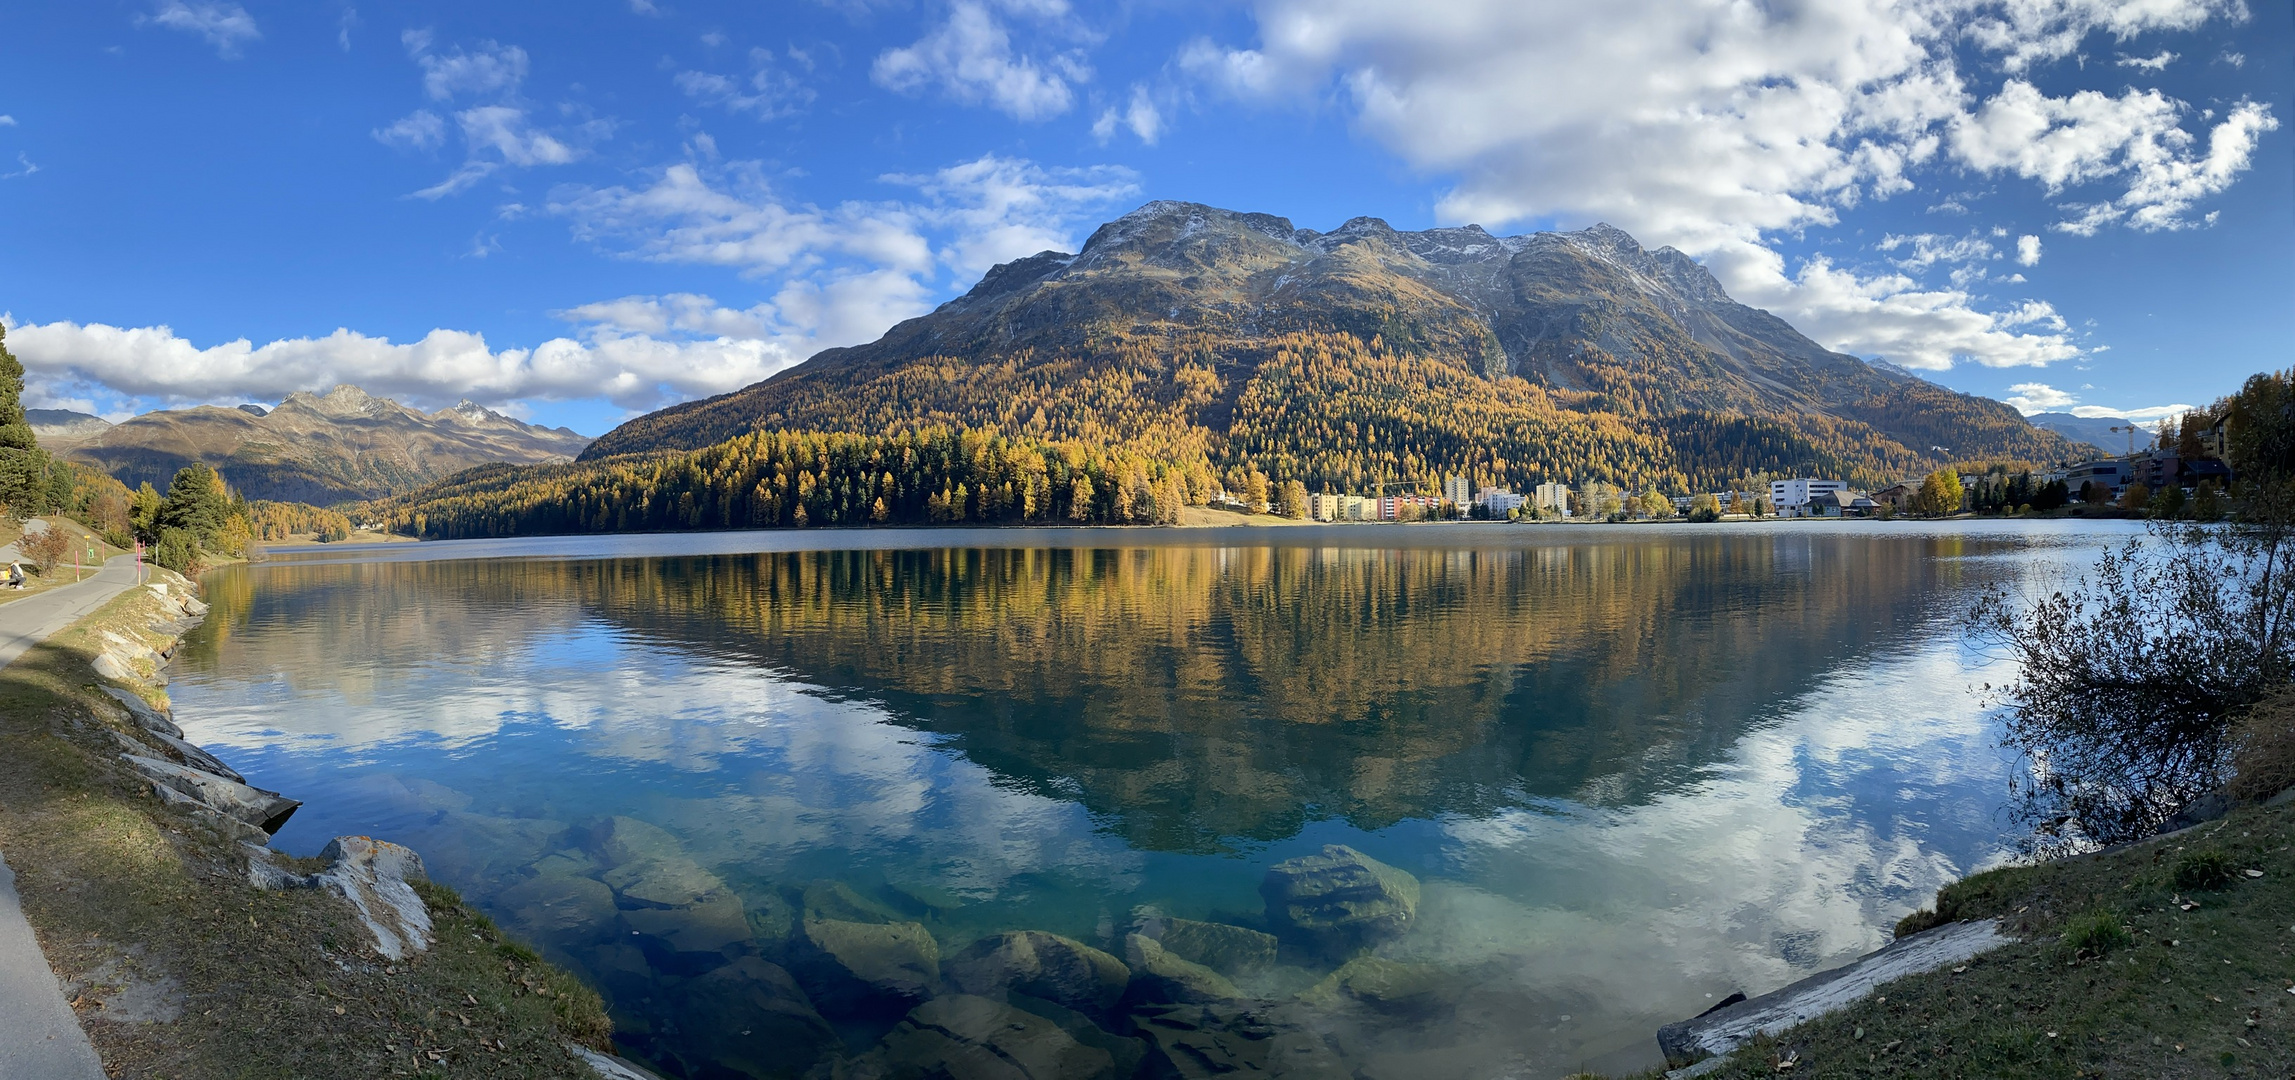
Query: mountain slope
x=321, y=449
x=1367, y=356
x=2106, y=432
x=61, y=429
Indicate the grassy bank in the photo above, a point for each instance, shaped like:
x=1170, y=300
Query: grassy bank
x=182, y=969
x=2164, y=959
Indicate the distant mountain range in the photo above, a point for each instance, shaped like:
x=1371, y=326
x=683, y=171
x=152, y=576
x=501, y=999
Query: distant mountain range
x=61, y=429
x=2097, y=431
x=1369, y=356
x=340, y=446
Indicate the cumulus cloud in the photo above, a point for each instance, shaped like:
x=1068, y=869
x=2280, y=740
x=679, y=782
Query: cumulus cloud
x=2027, y=250
x=2156, y=62
x=2089, y=136
x=223, y=25
x=2035, y=397
x=835, y=275
x=1717, y=127
x=635, y=371
x=970, y=58
x=7, y=120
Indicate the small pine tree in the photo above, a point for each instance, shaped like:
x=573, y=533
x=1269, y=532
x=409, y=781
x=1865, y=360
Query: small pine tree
x=195, y=504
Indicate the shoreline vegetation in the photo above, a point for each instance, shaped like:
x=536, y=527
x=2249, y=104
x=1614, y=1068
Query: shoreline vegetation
x=177, y=963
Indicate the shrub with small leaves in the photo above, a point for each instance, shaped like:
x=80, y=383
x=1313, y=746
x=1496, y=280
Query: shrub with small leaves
x=2205, y=868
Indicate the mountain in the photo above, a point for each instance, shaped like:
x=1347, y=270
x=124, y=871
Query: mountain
x=61, y=429
x=340, y=446
x=2096, y=431
x=1368, y=356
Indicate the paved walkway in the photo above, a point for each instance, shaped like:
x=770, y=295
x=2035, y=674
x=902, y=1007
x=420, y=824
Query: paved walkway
x=31, y=620
x=40, y=1039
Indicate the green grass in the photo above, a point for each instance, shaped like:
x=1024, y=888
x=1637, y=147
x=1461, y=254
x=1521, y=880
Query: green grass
x=274, y=984
x=2161, y=960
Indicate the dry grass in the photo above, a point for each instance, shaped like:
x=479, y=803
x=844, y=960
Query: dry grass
x=2111, y=975
x=270, y=984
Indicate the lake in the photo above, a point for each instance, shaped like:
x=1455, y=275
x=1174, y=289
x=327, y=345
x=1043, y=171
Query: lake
x=1632, y=769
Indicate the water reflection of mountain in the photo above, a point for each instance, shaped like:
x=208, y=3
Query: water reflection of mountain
x=1194, y=697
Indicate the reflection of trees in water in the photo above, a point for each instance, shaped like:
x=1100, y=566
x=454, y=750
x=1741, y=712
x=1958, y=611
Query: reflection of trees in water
x=348, y=625
x=1197, y=696
x=1193, y=696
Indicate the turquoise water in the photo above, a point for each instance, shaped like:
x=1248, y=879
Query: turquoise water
x=1634, y=769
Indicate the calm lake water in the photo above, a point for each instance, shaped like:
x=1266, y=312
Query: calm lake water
x=1633, y=769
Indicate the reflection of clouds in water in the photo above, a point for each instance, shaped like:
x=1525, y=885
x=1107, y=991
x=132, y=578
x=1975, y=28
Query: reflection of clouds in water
x=1793, y=854
x=814, y=774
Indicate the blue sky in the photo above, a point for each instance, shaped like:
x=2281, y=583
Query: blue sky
x=582, y=210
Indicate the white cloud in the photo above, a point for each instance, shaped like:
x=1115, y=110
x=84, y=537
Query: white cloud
x=2088, y=136
x=1141, y=116
x=492, y=69
x=836, y=275
x=768, y=93
x=224, y=25
x=2035, y=397
x=644, y=7
x=1717, y=127
x=24, y=168
x=2145, y=415
x=343, y=25
x=1928, y=249
x=7, y=120
x=153, y=363
x=419, y=130
x=496, y=135
x=971, y=59
x=2027, y=250
x=2156, y=62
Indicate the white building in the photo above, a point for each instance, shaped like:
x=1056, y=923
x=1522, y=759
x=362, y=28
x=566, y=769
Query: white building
x=1457, y=490
x=1499, y=501
x=1554, y=497
x=1791, y=497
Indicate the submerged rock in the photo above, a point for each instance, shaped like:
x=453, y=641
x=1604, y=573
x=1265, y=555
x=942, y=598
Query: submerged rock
x=1060, y=970
x=964, y=1037
x=836, y=900
x=647, y=865
x=376, y=876
x=712, y=928
x=1339, y=901
x=1160, y=977
x=752, y=1017
x=1197, y=1042
x=1387, y=986
x=868, y=967
x=559, y=908
x=1229, y=950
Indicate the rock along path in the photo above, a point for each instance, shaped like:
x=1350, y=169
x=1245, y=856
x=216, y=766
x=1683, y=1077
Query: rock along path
x=31, y=620
x=40, y=1039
